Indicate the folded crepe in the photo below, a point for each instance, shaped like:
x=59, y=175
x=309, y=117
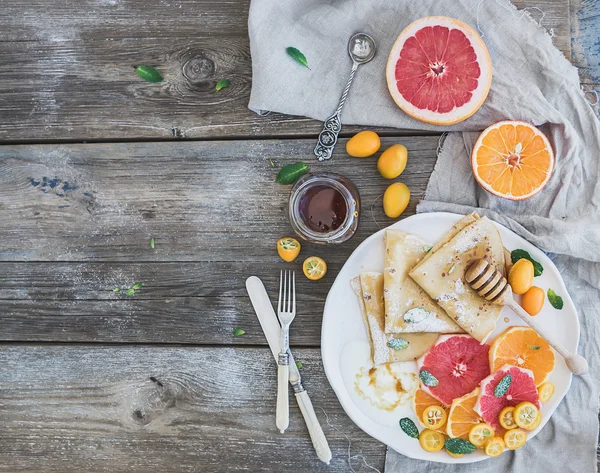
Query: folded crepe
x=408, y=308
x=368, y=287
x=441, y=275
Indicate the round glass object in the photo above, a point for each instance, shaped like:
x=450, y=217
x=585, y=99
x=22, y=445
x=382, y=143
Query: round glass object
x=324, y=208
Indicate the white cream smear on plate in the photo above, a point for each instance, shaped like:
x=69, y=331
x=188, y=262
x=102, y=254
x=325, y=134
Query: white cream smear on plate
x=386, y=386
x=356, y=359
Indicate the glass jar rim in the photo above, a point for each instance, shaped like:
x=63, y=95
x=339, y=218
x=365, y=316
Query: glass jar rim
x=332, y=180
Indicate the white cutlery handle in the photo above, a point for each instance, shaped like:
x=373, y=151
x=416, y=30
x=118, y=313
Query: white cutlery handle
x=282, y=416
x=575, y=362
x=314, y=427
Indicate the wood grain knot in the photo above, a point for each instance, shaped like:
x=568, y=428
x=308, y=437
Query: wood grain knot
x=198, y=69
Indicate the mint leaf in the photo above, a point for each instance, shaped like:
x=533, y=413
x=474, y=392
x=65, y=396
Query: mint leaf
x=130, y=292
x=416, y=315
x=409, y=427
x=397, y=344
x=516, y=255
x=238, y=332
x=297, y=56
x=152, y=242
x=428, y=379
x=149, y=74
x=116, y=290
x=299, y=364
x=222, y=84
x=136, y=286
x=555, y=299
x=502, y=386
x=534, y=347
x=459, y=446
x=290, y=173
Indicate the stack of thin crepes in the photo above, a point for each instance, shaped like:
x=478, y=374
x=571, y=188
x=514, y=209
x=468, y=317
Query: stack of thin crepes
x=422, y=291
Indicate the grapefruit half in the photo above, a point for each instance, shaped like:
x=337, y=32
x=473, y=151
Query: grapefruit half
x=522, y=388
x=439, y=70
x=458, y=363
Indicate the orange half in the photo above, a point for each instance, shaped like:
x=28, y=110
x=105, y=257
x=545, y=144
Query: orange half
x=522, y=347
x=513, y=160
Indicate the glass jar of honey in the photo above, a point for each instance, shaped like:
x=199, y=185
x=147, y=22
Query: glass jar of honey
x=324, y=208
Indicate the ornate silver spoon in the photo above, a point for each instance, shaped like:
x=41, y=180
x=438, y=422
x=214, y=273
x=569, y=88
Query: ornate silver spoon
x=361, y=49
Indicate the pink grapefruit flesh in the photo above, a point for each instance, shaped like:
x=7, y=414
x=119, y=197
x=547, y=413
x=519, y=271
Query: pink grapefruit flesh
x=522, y=388
x=459, y=363
x=439, y=70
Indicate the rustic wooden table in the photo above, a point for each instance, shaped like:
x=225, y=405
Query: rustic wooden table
x=93, y=163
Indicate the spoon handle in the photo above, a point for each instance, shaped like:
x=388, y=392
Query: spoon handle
x=333, y=125
x=575, y=362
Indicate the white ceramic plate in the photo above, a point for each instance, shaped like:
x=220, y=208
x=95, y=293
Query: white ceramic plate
x=345, y=348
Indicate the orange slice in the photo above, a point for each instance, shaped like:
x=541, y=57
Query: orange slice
x=462, y=417
x=422, y=401
x=522, y=347
x=513, y=160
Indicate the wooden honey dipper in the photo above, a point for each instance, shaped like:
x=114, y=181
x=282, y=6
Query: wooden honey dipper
x=487, y=281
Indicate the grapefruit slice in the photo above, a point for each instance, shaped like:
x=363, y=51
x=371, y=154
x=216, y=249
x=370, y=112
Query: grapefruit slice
x=523, y=347
x=439, y=70
x=457, y=364
x=513, y=160
x=522, y=388
x=462, y=417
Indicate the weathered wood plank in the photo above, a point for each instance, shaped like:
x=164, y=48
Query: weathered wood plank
x=585, y=45
x=66, y=69
x=95, y=410
x=554, y=16
x=197, y=303
x=585, y=42
x=202, y=201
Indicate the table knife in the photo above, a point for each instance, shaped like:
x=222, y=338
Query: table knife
x=270, y=325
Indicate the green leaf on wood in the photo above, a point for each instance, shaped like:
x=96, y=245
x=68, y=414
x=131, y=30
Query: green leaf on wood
x=297, y=56
x=116, y=290
x=152, y=242
x=149, y=74
x=137, y=285
x=222, y=84
x=555, y=299
x=130, y=292
x=299, y=364
x=290, y=173
x=516, y=255
x=238, y=332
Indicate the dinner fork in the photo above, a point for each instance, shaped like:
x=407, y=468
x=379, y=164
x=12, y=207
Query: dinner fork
x=286, y=311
